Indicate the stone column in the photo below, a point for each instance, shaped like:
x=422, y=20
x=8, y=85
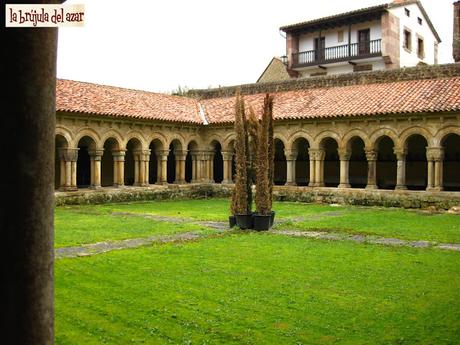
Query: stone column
x=211, y=167
x=194, y=167
x=96, y=157
x=401, y=169
x=312, y=156
x=162, y=172
x=227, y=158
x=435, y=157
x=344, y=168
x=291, y=157
x=319, y=167
x=371, y=156
x=180, y=166
x=69, y=156
x=145, y=171
x=26, y=219
x=119, y=168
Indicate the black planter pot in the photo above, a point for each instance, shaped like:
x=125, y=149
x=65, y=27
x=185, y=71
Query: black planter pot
x=244, y=221
x=232, y=221
x=262, y=222
x=272, y=218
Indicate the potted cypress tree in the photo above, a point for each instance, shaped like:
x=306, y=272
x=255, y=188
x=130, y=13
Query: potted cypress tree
x=263, y=199
x=242, y=191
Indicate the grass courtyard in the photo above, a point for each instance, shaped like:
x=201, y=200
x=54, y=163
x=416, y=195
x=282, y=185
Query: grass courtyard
x=256, y=288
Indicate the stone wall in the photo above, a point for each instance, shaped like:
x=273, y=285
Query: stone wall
x=385, y=198
x=412, y=73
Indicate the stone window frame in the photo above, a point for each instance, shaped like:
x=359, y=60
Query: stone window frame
x=407, y=39
x=420, y=54
x=407, y=11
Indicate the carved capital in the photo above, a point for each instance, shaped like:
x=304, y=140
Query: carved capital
x=435, y=154
x=96, y=155
x=400, y=154
x=344, y=154
x=69, y=155
x=291, y=155
x=371, y=155
x=162, y=154
x=227, y=155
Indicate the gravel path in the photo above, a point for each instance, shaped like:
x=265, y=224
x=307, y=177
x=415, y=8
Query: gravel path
x=222, y=227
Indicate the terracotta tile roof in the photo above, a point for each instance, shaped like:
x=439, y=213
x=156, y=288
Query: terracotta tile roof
x=75, y=96
x=403, y=97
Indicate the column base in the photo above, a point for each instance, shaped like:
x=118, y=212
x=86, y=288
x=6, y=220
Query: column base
x=68, y=189
x=434, y=189
x=372, y=186
x=321, y=184
x=180, y=182
x=95, y=187
x=400, y=188
x=291, y=184
x=344, y=185
x=119, y=186
x=227, y=182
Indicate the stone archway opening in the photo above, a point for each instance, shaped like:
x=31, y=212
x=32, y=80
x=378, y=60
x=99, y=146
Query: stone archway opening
x=331, y=162
x=174, y=148
x=280, y=174
x=156, y=146
x=107, y=162
x=302, y=163
x=190, y=162
x=416, y=163
x=130, y=173
x=451, y=164
x=386, y=163
x=217, y=162
x=358, y=166
x=85, y=145
x=60, y=144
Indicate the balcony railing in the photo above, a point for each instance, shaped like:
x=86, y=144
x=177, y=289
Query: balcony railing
x=345, y=52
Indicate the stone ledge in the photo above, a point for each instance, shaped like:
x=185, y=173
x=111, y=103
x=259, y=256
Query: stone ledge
x=349, y=196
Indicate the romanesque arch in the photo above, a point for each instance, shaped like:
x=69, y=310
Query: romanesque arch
x=451, y=162
x=357, y=166
x=217, y=168
x=85, y=168
x=191, y=162
x=280, y=176
x=133, y=147
x=300, y=147
x=331, y=163
x=112, y=152
x=175, y=156
x=416, y=169
x=386, y=162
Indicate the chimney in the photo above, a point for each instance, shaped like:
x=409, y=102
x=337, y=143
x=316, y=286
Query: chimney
x=456, y=41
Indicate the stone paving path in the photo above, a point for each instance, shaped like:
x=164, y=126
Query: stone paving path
x=222, y=227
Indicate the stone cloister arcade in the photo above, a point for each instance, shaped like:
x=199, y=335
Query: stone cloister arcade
x=378, y=157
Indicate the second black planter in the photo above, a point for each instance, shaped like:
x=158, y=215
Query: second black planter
x=244, y=221
x=231, y=221
x=262, y=222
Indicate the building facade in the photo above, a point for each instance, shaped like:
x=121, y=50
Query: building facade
x=394, y=35
x=396, y=129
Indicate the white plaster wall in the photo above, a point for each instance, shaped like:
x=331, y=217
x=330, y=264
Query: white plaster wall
x=306, y=42
x=409, y=59
x=345, y=68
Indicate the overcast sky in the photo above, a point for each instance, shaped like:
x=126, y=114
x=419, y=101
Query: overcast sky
x=159, y=45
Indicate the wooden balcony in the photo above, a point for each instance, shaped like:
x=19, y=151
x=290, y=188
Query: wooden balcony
x=347, y=52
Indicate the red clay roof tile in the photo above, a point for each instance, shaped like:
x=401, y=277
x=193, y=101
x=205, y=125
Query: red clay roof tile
x=414, y=96
x=75, y=96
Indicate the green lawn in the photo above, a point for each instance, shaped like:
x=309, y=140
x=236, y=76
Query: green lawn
x=74, y=226
x=257, y=288
x=96, y=222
